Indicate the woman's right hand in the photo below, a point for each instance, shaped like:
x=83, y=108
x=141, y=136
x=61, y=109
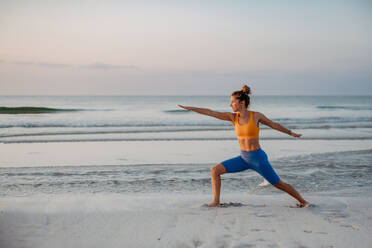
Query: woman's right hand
x=185, y=107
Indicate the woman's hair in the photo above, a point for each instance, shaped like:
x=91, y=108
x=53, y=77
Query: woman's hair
x=243, y=95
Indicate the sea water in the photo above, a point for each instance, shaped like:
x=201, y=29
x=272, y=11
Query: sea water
x=166, y=149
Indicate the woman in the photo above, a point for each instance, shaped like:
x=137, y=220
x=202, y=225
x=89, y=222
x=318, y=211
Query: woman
x=246, y=124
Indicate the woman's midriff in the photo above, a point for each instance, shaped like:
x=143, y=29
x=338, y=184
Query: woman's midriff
x=249, y=144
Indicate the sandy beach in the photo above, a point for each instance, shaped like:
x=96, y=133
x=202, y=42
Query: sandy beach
x=183, y=221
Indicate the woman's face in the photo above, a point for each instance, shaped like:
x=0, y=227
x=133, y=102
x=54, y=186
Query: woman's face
x=236, y=105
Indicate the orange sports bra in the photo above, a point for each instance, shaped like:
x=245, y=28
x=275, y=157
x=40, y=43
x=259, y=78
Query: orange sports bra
x=249, y=130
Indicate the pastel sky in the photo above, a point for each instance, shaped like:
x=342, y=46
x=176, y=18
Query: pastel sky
x=185, y=47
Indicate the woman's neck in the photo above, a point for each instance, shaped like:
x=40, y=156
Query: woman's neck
x=244, y=113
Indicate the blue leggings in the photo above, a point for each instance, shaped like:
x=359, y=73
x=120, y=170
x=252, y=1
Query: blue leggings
x=255, y=160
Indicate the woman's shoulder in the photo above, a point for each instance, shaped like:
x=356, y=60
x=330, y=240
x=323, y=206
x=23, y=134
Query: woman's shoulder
x=257, y=115
x=228, y=116
x=232, y=116
x=254, y=112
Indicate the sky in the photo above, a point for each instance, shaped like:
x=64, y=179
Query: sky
x=189, y=47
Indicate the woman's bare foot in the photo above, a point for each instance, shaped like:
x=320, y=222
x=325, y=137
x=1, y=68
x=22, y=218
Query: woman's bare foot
x=213, y=204
x=303, y=204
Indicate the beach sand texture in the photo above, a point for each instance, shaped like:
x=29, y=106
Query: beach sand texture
x=182, y=221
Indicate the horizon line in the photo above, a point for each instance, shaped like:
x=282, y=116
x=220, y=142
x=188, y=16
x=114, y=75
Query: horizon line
x=29, y=95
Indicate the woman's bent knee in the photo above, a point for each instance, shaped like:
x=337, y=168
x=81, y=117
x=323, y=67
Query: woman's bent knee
x=213, y=170
x=218, y=170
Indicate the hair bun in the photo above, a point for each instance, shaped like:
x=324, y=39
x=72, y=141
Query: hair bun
x=246, y=89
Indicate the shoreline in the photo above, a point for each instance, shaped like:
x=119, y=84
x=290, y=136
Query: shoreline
x=158, y=152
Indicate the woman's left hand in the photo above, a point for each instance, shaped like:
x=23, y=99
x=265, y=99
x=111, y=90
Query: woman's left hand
x=296, y=135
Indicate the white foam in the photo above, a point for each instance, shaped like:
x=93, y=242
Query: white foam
x=264, y=183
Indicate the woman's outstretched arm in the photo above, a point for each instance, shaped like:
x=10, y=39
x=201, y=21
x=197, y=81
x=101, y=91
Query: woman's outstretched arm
x=226, y=116
x=274, y=125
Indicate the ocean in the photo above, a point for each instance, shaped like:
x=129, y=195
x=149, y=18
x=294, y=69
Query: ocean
x=133, y=145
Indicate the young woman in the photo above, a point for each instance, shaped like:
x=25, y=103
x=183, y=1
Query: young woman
x=246, y=124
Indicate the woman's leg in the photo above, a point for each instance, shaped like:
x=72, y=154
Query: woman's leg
x=216, y=171
x=291, y=191
x=263, y=166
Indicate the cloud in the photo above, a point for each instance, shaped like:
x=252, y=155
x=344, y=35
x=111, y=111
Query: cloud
x=53, y=65
x=96, y=65
x=102, y=66
x=43, y=64
x=23, y=63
